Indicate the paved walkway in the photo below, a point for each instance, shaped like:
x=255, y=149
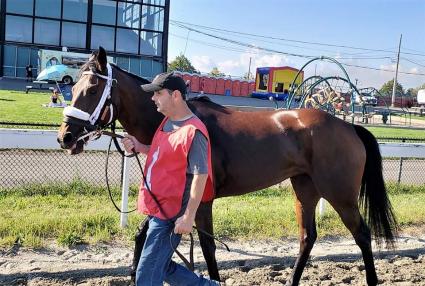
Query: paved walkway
x=20, y=85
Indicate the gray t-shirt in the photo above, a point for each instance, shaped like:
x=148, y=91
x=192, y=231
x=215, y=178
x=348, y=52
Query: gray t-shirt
x=197, y=160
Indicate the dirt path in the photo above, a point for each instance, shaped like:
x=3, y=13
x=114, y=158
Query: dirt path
x=333, y=262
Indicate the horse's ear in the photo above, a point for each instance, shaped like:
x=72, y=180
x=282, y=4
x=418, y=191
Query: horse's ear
x=101, y=59
x=93, y=56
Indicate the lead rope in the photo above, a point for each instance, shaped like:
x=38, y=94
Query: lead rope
x=189, y=264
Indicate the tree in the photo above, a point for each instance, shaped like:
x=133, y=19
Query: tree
x=216, y=73
x=387, y=88
x=411, y=92
x=414, y=91
x=181, y=63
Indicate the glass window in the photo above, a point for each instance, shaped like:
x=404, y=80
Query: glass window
x=21, y=72
x=153, y=18
x=127, y=41
x=46, y=32
x=20, y=6
x=23, y=57
x=73, y=35
x=128, y=15
x=123, y=62
x=104, y=12
x=135, y=65
x=9, y=71
x=155, y=2
x=9, y=55
x=156, y=68
x=18, y=29
x=150, y=43
x=146, y=68
x=48, y=8
x=75, y=10
x=34, y=61
x=102, y=36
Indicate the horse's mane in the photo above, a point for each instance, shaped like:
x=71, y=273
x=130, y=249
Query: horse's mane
x=135, y=76
x=206, y=101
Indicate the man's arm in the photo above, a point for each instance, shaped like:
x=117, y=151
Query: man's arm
x=185, y=223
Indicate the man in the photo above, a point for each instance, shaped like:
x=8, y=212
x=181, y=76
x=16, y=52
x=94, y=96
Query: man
x=28, y=70
x=178, y=176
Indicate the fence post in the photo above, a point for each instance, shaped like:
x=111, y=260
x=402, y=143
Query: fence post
x=124, y=191
x=321, y=207
x=400, y=167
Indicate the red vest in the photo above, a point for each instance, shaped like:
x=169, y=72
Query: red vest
x=165, y=170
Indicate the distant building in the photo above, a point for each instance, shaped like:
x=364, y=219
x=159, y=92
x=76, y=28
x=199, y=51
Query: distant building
x=134, y=33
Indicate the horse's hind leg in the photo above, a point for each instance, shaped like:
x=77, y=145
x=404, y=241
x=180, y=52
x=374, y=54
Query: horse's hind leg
x=204, y=222
x=352, y=219
x=305, y=205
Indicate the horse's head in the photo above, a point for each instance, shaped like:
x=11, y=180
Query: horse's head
x=92, y=106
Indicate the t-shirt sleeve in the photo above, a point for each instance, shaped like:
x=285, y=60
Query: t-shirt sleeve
x=198, y=155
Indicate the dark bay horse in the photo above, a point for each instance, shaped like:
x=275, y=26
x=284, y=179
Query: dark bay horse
x=323, y=156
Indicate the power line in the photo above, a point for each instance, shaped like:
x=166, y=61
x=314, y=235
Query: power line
x=185, y=24
x=284, y=53
x=379, y=69
x=406, y=59
x=245, y=44
x=227, y=48
x=276, y=43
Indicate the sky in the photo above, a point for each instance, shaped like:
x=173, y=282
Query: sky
x=291, y=32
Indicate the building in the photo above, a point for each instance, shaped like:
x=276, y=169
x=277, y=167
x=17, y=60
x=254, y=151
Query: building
x=134, y=32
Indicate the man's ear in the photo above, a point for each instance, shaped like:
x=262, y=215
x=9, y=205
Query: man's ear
x=101, y=59
x=175, y=94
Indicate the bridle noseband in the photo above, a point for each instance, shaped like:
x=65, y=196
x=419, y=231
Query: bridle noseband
x=92, y=123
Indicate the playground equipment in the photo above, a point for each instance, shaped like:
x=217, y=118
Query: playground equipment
x=331, y=93
x=275, y=82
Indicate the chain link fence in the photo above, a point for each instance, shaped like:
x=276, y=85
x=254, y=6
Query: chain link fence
x=24, y=167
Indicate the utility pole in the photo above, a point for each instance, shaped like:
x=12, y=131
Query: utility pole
x=187, y=39
x=249, y=69
x=396, y=72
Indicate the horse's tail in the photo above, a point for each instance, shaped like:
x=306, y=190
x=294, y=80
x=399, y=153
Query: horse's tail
x=373, y=194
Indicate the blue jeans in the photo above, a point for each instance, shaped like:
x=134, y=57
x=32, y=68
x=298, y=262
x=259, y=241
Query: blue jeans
x=155, y=264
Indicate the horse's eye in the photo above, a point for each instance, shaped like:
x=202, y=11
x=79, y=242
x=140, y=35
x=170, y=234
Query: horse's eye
x=92, y=91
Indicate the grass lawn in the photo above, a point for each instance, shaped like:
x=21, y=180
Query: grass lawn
x=80, y=213
x=381, y=132
x=17, y=106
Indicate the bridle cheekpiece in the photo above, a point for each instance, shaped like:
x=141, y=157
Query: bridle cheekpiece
x=91, y=123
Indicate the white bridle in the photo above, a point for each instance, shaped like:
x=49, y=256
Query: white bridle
x=71, y=111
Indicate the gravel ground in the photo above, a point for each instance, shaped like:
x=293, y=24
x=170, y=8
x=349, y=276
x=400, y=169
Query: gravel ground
x=334, y=261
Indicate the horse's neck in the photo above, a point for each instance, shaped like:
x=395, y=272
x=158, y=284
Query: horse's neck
x=137, y=114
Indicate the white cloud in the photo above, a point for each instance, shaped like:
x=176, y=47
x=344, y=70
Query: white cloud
x=203, y=63
x=414, y=70
x=238, y=66
x=228, y=66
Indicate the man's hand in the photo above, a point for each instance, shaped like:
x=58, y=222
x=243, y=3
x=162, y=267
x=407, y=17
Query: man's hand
x=183, y=225
x=132, y=144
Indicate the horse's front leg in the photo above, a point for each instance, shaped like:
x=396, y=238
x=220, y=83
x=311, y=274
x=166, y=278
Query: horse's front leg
x=204, y=222
x=139, y=241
